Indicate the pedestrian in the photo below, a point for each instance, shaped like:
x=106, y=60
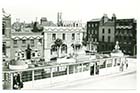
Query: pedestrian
x=20, y=83
x=15, y=83
x=126, y=65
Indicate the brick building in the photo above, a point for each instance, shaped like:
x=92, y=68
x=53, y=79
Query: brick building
x=125, y=33
x=110, y=30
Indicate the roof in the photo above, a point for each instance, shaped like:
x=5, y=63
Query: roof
x=109, y=23
x=95, y=20
x=58, y=29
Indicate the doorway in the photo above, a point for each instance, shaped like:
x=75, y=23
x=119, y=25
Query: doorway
x=92, y=70
x=28, y=52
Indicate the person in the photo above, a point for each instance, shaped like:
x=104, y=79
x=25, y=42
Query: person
x=15, y=83
x=20, y=83
x=126, y=65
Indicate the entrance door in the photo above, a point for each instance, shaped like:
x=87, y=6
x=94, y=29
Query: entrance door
x=92, y=70
x=28, y=52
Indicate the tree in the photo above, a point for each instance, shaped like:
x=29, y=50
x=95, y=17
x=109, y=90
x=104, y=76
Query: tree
x=37, y=27
x=58, y=43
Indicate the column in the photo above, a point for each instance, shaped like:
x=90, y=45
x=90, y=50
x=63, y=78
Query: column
x=94, y=69
x=33, y=75
x=51, y=76
x=82, y=66
x=11, y=80
x=68, y=70
x=74, y=69
x=47, y=54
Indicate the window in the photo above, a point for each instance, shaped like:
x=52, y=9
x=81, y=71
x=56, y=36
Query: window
x=32, y=41
x=76, y=25
x=15, y=41
x=33, y=54
x=40, y=41
x=109, y=31
x=22, y=55
x=109, y=63
x=102, y=65
x=103, y=38
x=108, y=38
x=71, y=69
x=26, y=76
x=23, y=41
x=95, y=25
x=92, y=25
x=95, y=31
x=73, y=36
x=63, y=36
x=38, y=74
x=88, y=25
x=78, y=68
x=124, y=37
x=103, y=30
x=53, y=36
x=85, y=66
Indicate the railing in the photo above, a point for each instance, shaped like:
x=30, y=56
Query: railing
x=38, y=73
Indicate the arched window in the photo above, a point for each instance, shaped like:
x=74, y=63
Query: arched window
x=64, y=48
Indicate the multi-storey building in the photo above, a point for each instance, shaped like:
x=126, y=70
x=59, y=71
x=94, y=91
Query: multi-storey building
x=26, y=44
x=70, y=36
x=6, y=34
x=106, y=34
x=111, y=30
x=92, y=34
x=125, y=33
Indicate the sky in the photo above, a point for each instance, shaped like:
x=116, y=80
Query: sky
x=85, y=10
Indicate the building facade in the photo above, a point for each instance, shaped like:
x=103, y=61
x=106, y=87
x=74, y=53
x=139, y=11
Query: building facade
x=6, y=34
x=26, y=45
x=125, y=33
x=92, y=34
x=110, y=30
x=106, y=34
x=69, y=35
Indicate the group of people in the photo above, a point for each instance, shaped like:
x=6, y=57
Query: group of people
x=17, y=82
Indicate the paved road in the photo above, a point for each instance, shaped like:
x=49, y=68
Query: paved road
x=123, y=81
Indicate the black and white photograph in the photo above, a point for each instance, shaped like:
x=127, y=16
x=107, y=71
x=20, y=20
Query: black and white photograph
x=69, y=45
